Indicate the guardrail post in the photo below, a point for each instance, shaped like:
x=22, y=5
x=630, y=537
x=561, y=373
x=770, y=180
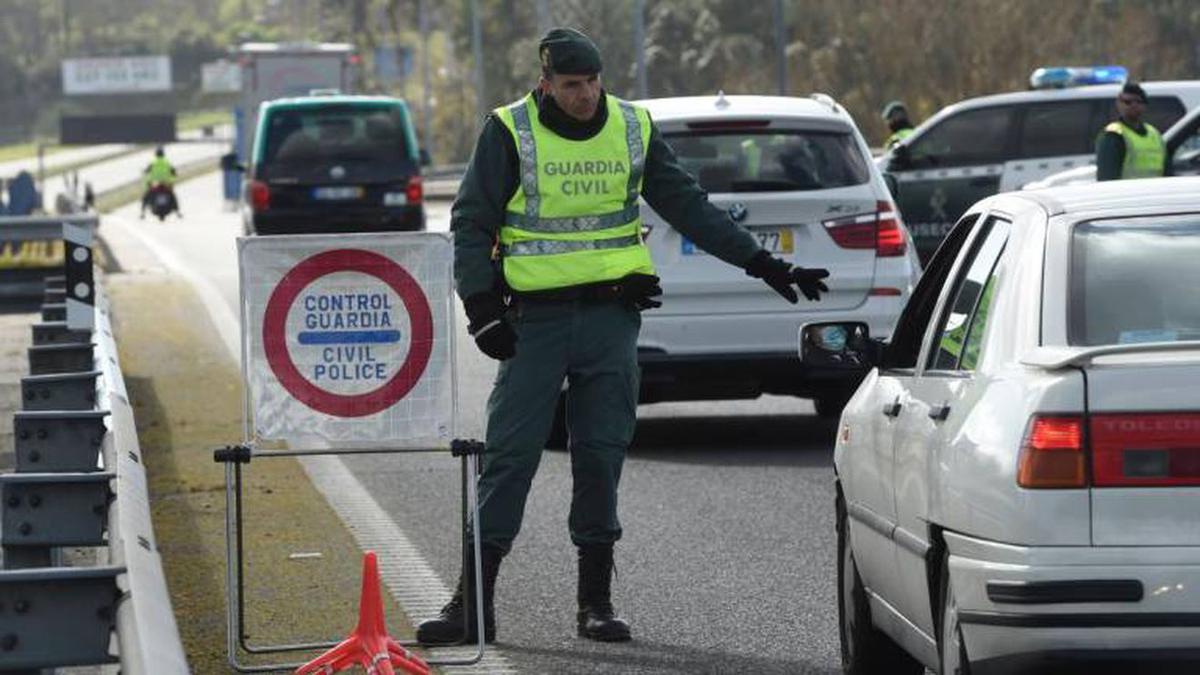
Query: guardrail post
x=60, y=496
x=57, y=333
x=58, y=440
x=61, y=391
x=57, y=616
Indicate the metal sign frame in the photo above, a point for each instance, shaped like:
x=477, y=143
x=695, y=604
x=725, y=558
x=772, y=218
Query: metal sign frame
x=235, y=456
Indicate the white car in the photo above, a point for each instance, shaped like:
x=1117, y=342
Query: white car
x=1018, y=480
x=798, y=175
x=1183, y=154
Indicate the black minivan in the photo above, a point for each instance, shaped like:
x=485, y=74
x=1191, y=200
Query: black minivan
x=334, y=163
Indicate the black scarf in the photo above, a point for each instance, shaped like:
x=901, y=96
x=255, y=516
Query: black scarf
x=558, y=121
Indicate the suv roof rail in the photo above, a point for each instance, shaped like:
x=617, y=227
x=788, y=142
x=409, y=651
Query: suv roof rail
x=826, y=99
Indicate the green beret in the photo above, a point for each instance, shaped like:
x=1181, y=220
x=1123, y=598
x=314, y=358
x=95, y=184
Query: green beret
x=569, y=52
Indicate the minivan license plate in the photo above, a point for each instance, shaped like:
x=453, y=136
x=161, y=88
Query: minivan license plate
x=777, y=240
x=332, y=193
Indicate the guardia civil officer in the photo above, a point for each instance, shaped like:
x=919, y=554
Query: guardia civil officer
x=895, y=114
x=1130, y=147
x=553, y=273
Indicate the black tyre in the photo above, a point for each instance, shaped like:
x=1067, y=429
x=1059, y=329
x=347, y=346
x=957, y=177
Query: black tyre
x=865, y=649
x=952, y=650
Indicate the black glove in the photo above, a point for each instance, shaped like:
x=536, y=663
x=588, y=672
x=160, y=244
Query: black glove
x=486, y=323
x=639, y=290
x=781, y=275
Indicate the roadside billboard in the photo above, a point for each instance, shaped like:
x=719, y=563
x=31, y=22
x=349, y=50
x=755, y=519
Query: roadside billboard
x=116, y=75
x=221, y=76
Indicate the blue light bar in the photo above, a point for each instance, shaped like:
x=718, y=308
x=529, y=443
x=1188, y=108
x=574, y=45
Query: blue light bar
x=1067, y=76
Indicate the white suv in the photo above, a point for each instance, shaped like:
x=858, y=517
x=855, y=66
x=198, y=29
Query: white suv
x=798, y=175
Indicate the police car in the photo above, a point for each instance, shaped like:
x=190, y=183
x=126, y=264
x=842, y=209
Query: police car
x=981, y=146
x=1018, y=476
x=797, y=174
x=1183, y=156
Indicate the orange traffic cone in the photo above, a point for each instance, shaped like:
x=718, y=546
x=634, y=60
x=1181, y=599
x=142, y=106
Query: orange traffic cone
x=369, y=645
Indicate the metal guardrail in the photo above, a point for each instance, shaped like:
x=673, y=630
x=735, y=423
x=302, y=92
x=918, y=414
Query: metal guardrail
x=79, y=475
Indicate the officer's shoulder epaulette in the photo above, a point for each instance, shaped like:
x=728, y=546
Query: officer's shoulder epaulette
x=1113, y=127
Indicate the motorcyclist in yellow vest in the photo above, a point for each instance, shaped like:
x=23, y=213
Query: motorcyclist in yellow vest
x=159, y=172
x=1130, y=147
x=552, y=190
x=896, y=117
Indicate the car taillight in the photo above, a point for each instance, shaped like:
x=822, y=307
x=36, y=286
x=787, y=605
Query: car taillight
x=1145, y=449
x=260, y=195
x=890, y=241
x=880, y=230
x=1052, y=453
x=414, y=192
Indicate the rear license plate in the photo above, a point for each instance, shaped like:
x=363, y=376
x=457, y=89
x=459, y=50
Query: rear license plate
x=778, y=240
x=332, y=193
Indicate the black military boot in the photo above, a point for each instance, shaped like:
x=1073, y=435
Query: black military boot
x=448, y=627
x=597, y=620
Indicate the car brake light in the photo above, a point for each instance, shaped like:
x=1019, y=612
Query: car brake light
x=1052, y=454
x=260, y=195
x=890, y=241
x=1145, y=449
x=880, y=230
x=414, y=192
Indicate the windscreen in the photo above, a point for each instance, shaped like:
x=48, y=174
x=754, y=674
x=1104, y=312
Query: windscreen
x=314, y=138
x=770, y=161
x=1135, y=281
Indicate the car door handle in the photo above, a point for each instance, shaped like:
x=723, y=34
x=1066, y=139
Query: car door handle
x=940, y=413
x=892, y=409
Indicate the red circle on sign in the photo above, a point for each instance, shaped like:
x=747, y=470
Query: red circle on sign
x=348, y=260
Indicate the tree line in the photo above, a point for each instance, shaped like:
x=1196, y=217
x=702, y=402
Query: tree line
x=862, y=52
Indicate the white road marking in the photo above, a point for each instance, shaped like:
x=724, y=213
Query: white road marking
x=408, y=576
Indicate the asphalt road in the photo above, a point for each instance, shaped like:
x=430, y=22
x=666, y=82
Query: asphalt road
x=727, y=563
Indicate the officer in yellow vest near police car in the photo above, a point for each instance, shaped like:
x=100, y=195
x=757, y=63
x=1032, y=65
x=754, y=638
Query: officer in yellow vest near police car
x=1130, y=147
x=553, y=273
x=895, y=114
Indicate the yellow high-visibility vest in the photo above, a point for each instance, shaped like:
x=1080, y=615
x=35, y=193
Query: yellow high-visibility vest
x=1144, y=153
x=575, y=219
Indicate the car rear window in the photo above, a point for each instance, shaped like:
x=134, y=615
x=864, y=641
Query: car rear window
x=770, y=161
x=1135, y=281
x=335, y=133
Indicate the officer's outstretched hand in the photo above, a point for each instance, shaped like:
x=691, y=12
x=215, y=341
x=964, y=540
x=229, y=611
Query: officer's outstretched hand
x=781, y=275
x=640, y=290
x=486, y=323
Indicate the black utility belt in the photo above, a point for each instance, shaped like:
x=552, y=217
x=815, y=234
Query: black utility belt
x=602, y=292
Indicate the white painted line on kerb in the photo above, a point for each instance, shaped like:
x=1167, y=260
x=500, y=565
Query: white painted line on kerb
x=408, y=576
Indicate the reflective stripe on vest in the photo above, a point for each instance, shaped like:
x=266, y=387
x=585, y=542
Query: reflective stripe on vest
x=1144, y=153
x=575, y=218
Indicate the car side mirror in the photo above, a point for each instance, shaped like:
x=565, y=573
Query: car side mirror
x=840, y=345
x=893, y=185
x=425, y=158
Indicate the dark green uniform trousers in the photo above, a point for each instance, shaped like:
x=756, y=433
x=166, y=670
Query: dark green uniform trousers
x=593, y=346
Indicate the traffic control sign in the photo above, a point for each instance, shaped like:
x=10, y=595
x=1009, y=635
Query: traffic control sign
x=347, y=339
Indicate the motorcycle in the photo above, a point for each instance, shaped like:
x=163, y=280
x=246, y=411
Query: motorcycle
x=161, y=200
